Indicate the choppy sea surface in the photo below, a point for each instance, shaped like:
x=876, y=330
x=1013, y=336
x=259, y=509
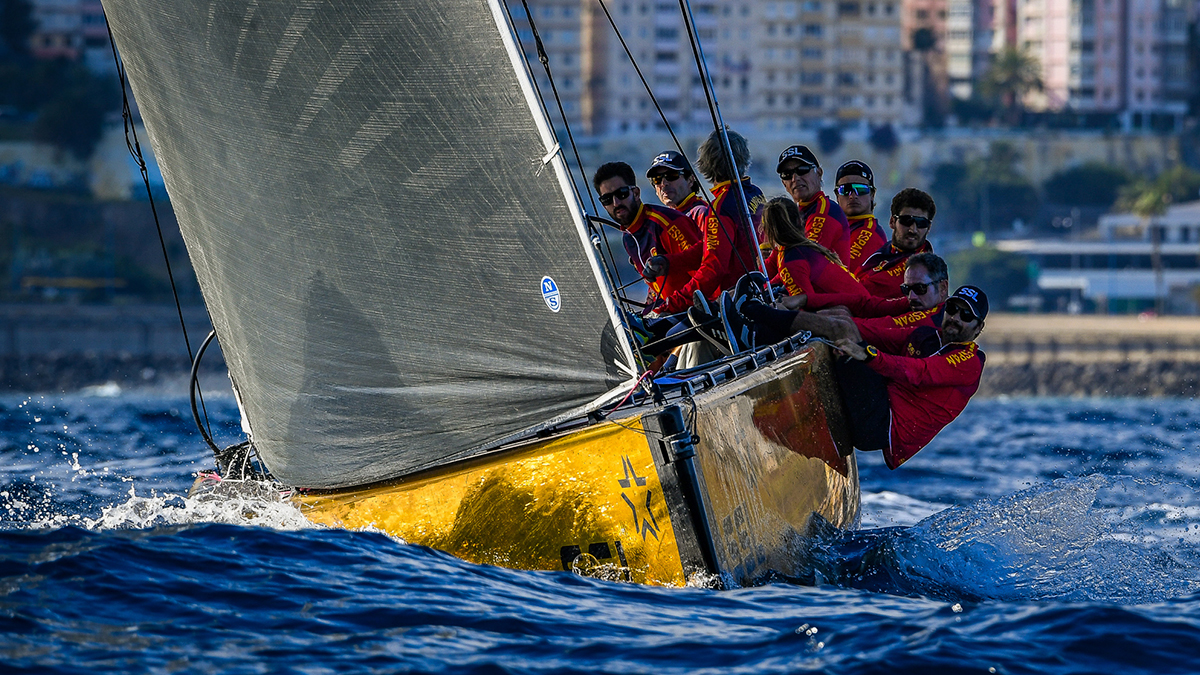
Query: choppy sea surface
x=1032, y=536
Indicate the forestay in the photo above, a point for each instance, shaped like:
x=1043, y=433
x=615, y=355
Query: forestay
x=392, y=257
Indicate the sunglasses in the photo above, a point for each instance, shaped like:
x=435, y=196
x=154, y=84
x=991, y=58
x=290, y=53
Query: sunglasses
x=919, y=289
x=963, y=313
x=919, y=222
x=621, y=193
x=853, y=190
x=800, y=172
x=665, y=177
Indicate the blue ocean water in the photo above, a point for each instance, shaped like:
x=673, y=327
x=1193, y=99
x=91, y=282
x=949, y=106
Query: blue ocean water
x=1033, y=536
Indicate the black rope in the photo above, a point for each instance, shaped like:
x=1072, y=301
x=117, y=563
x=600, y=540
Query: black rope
x=194, y=386
x=135, y=151
x=649, y=91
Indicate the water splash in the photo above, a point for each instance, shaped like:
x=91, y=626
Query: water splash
x=1055, y=540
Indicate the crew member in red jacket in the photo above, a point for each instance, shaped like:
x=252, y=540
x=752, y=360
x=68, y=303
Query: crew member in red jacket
x=824, y=221
x=900, y=394
x=925, y=288
x=912, y=217
x=677, y=186
x=855, y=190
x=801, y=265
x=729, y=242
x=656, y=238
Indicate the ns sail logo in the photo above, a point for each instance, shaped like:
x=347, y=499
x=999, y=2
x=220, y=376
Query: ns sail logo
x=551, y=295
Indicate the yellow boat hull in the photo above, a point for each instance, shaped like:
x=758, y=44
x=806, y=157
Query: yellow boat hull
x=640, y=498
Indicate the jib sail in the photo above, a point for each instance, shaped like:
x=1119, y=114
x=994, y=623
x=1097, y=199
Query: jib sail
x=384, y=236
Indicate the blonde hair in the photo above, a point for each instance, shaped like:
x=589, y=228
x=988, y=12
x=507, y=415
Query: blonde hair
x=782, y=228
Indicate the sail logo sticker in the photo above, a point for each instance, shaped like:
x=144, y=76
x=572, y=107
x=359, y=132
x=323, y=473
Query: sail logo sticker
x=551, y=295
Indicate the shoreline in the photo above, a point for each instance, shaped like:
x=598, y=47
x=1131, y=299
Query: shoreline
x=67, y=348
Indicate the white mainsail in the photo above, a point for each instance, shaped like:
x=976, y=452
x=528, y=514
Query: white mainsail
x=388, y=245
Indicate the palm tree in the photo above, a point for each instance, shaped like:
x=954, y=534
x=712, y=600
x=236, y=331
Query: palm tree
x=924, y=42
x=1013, y=74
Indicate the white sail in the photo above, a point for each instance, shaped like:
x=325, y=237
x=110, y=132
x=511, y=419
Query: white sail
x=385, y=239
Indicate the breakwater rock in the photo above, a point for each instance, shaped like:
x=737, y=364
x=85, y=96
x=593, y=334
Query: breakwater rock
x=54, y=348
x=1056, y=355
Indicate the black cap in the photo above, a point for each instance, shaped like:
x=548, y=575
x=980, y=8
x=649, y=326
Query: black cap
x=800, y=153
x=974, y=298
x=856, y=168
x=669, y=159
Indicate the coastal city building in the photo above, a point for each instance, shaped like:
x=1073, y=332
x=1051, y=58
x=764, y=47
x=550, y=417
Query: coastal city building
x=71, y=29
x=1133, y=263
x=775, y=64
x=1127, y=58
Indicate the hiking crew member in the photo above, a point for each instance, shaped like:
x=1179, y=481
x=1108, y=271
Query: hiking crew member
x=925, y=288
x=899, y=394
x=729, y=246
x=912, y=217
x=655, y=237
x=855, y=190
x=800, y=264
x=824, y=221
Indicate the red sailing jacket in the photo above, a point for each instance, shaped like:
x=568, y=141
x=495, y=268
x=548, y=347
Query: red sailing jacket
x=825, y=223
x=926, y=393
x=883, y=272
x=728, y=250
x=658, y=230
x=803, y=269
x=865, y=239
x=892, y=333
x=863, y=306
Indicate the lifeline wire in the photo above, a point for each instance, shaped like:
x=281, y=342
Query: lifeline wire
x=135, y=150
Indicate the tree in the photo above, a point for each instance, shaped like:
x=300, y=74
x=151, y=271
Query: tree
x=16, y=26
x=1148, y=198
x=1090, y=184
x=924, y=42
x=829, y=139
x=883, y=138
x=73, y=116
x=999, y=273
x=1013, y=75
x=985, y=192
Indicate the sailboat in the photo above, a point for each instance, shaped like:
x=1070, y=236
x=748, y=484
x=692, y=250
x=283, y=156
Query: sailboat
x=420, y=325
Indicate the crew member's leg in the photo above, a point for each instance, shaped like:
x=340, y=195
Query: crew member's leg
x=865, y=395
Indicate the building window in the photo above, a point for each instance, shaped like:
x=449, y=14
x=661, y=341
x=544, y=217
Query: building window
x=812, y=5
x=810, y=101
x=848, y=9
x=814, y=29
x=812, y=53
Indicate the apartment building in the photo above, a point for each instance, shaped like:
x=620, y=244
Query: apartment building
x=971, y=27
x=775, y=65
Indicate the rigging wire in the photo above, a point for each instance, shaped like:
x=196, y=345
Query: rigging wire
x=135, y=151
x=545, y=61
x=633, y=61
x=596, y=235
x=609, y=263
x=689, y=21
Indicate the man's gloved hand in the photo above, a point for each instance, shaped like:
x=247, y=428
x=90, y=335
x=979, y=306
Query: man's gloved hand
x=656, y=267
